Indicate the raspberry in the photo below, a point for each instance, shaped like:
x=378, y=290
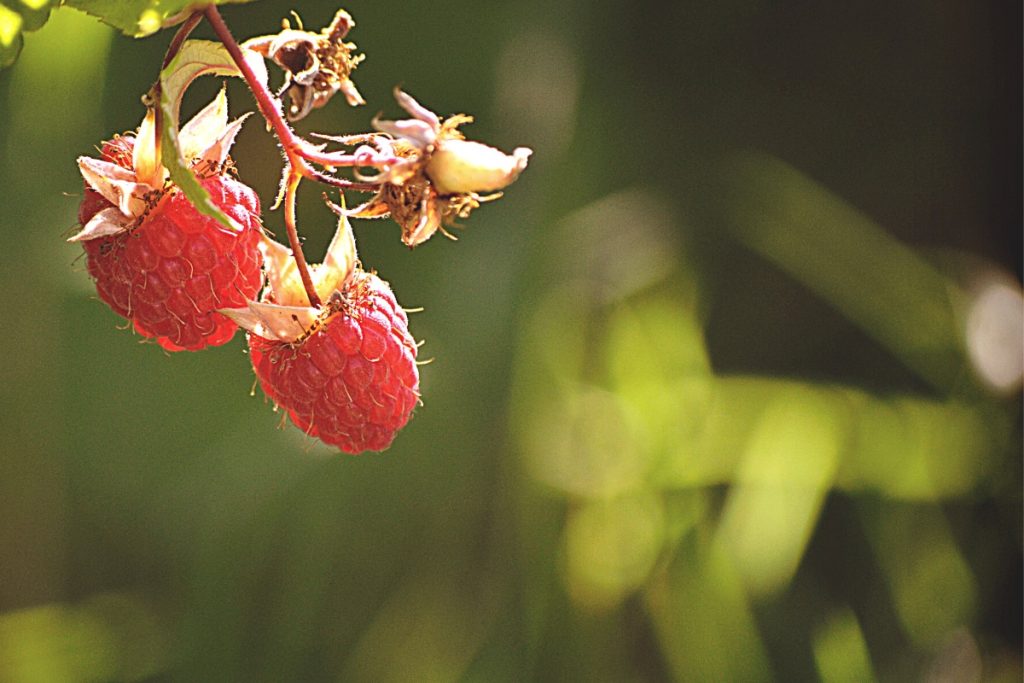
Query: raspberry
x=155, y=259
x=353, y=381
x=170, y=274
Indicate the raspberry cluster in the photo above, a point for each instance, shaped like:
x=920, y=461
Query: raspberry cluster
x=174, y=240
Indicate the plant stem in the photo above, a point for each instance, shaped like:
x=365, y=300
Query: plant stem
x=268, y=104
x=297, y=166
x=291, y=186
x=343, y=183
x=337, y=159
x=156, y=91
x=179, y=38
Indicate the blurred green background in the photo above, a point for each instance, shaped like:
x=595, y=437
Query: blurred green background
x=726, y=388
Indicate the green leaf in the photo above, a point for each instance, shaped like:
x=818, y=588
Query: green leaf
x=16, y=18
x=196, y=58
x=140, y=18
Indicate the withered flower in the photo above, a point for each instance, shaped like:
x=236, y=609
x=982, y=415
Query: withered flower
x=438, y=176
x=316, y=65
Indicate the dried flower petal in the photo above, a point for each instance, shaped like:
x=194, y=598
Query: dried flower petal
x=316, y=65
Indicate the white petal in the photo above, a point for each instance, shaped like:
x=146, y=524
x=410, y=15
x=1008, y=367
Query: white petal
x=339, y=263
x=430, y=221
x=255, y=62
x=109, y=221
x=352, y=95
x=117, y=185
x=205, y=128
x=146, y=153
x=217, y=153
x=274, y=322
x=465, y=166
x=415, y=131
x=406, y=102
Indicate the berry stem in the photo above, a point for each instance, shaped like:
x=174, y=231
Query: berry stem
x=291, y=185
x=268, y=104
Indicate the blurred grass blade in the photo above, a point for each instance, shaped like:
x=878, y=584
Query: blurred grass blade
x=935, y=594
x=702, y=619
x=906, y=448
x=785, y=472
x=840, y=652
x=879, y=283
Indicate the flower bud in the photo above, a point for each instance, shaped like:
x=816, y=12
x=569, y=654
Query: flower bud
x=463, y=166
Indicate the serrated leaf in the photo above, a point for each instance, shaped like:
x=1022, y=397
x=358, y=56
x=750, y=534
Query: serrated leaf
x=196, y=58
x=140, y=18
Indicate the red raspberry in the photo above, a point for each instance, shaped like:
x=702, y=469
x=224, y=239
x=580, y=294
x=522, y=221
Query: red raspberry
x=353, y=381
x=171, y=272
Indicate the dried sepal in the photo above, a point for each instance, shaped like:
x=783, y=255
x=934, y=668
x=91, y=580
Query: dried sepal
x=273, y=321
x=118, y=185
x=316, y=65
x=146, y=153
x=105, y=222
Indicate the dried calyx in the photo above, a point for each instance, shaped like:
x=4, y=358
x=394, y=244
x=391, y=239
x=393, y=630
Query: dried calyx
x=316, y=65
x=439, y=176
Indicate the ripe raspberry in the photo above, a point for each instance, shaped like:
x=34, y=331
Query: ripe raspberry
x=171, y=273
x=156, y=260
x=353, y=381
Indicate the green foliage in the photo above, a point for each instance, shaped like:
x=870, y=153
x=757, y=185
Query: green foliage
x=140, y=18
x=136, y=18
x=16, y=18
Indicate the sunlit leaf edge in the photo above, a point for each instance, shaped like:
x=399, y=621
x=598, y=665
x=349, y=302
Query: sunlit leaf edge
x=16, y=19
x=141, y=18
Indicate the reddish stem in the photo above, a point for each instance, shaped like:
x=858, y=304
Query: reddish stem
x=268, y=104
x=179, y=38
x=343, y=183
x=338, y=159
x=155, y=92
x=297, y=166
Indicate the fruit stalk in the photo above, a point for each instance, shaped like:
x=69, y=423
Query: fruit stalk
x=292, y=184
